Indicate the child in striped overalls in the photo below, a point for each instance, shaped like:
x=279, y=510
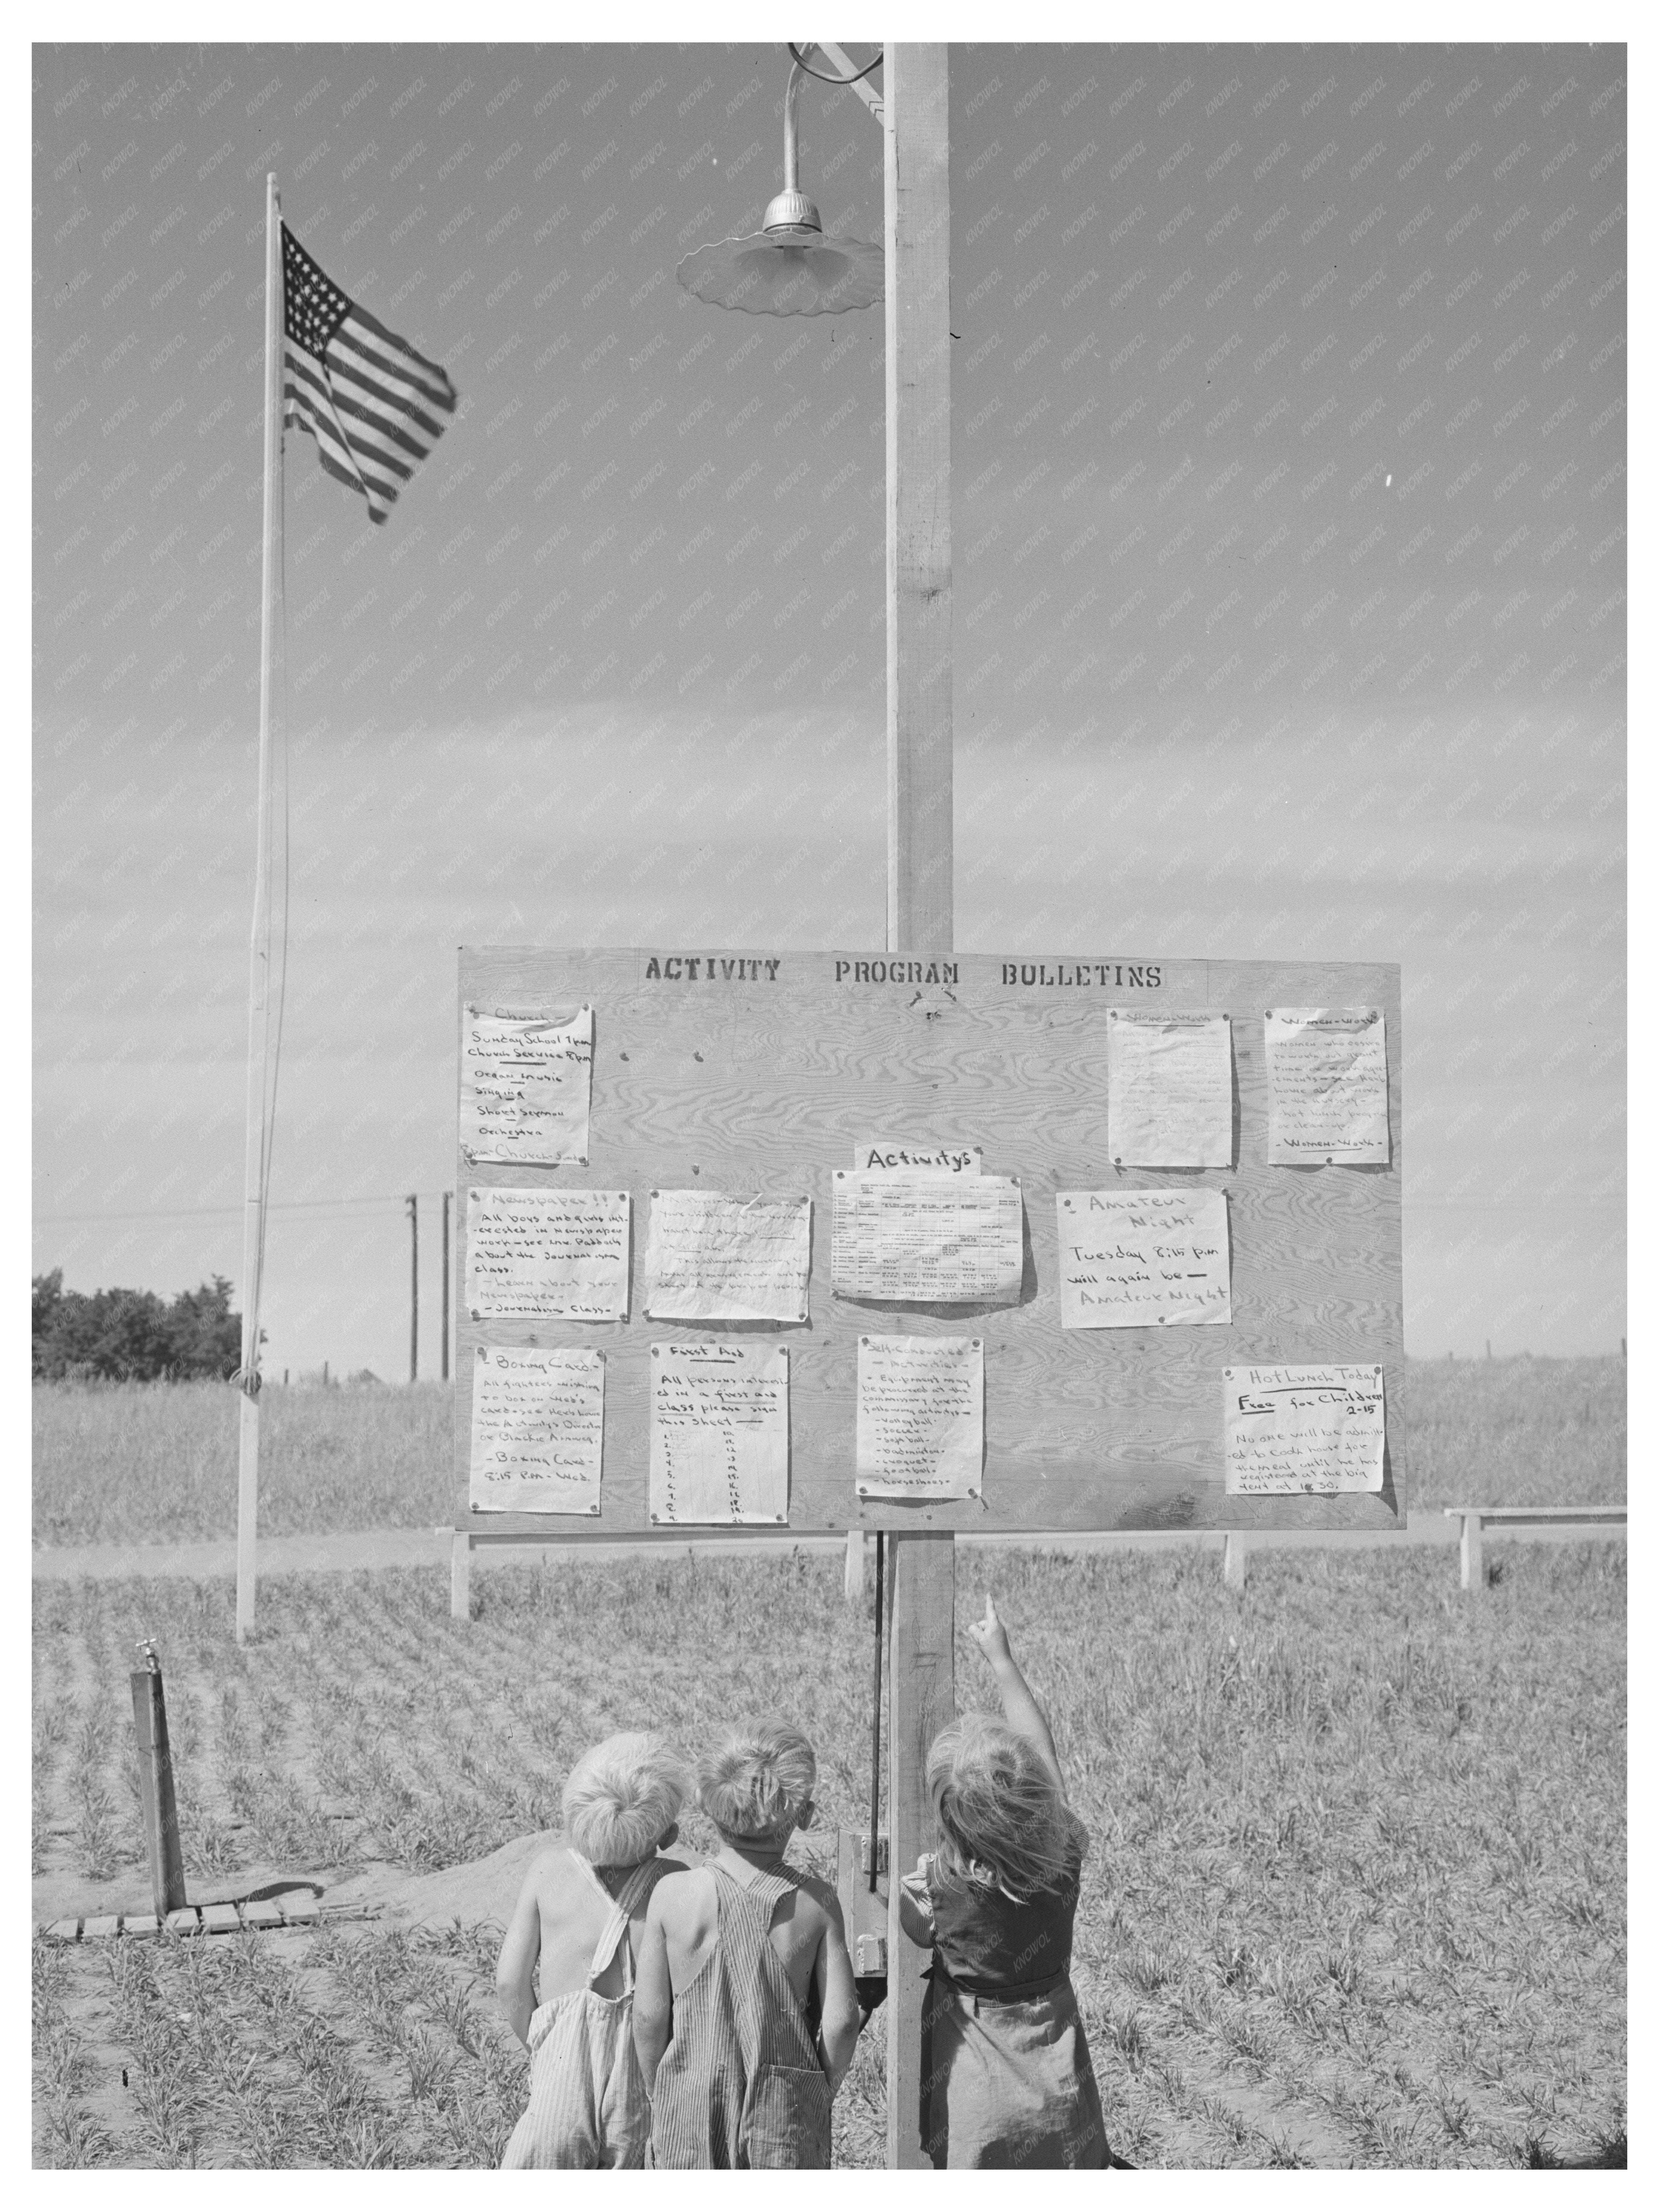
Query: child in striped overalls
x=576, y=1927
x=745, y=2013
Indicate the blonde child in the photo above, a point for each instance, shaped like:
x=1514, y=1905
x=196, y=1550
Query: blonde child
x=1005, y=2072
x=576, y=1927
x=745, y=2013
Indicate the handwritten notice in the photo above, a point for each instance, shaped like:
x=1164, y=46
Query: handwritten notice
x=1328, y=1085
x=719, y=1431
x=927, y=1239
x=921, y=1417
x=538, y=1430
x=1169, y=1089
x=1314, y=1429
x=712, y=1256
x=881, y=1156
x=1133, y=1259
x=526, y=1083
x=547, y=1254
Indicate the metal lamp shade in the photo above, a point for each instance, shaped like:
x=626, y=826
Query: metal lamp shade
x=764, y=275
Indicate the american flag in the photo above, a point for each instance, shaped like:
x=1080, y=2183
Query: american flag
x=374, y=405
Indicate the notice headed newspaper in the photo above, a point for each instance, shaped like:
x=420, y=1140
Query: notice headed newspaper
x=1314, y=1429
x=719, y=1431
x=547, y=1254
x=712, y=1256
x=1169, y=1089
x=921, y=1416
x=527, y=1083
x=1327, y=1085
x=1132, y=1259
x=927, y=1239
x=538, y=1430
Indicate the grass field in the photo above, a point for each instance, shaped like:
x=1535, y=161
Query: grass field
x=1356, y=1895
x=150, y=1463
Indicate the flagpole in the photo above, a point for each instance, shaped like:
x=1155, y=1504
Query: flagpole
x=260, y=948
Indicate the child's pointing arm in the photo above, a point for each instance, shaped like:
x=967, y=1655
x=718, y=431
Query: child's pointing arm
x=1019, y=1708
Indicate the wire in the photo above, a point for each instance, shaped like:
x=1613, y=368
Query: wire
x=807, y=66
x=275, y=1205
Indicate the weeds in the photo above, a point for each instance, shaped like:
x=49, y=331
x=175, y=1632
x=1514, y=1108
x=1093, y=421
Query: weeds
x=1306, y=1900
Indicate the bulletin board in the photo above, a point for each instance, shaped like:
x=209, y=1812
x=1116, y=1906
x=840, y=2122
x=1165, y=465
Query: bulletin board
x=764, y=1073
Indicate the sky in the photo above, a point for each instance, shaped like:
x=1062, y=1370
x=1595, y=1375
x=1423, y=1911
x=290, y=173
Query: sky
x=1288, y=514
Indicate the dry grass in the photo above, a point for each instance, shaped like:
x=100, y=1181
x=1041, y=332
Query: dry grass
x=153, y=1462
x=1356, y=1895
x=1515, y=1431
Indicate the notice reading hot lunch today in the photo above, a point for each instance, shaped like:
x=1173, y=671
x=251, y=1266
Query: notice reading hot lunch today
x=1314, y=1429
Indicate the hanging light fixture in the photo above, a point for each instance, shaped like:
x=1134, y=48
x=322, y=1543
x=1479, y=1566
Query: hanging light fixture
x=788, y=267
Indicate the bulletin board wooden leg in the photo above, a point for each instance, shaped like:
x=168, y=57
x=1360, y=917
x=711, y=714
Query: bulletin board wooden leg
x=921, y=1701
x=853, y=1585
x=460, y=1577
x=1233, y=1563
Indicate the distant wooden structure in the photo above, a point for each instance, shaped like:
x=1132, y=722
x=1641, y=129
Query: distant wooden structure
x=1477, y=1518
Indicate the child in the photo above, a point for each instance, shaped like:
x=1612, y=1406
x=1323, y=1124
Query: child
x=578, y=1919
x=745, y=2013
x=1006, y=2080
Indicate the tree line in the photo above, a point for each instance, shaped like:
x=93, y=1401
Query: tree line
x=133, y=1336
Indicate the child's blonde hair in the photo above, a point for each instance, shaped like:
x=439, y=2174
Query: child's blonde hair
x=758, y=1780
x=1003, y=1822
x=623, y=1797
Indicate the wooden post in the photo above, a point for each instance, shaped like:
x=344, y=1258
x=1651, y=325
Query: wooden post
x=1470, y=1561
x=1233, y=1566
x=921, y=1587
x=443, y=1333
x=460, y=1577
x=161, y=1808
x=921, y=1701
x=852, y=1583
x=414, y=1285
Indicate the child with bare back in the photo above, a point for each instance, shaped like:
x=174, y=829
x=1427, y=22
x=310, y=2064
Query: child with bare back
x=745, y=2012
x=576, y=1928
x=1006, y=2078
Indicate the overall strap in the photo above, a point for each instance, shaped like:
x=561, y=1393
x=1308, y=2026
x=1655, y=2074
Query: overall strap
x=633, y=1893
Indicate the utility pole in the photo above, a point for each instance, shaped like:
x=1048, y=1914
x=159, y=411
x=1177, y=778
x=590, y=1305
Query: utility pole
x=414, y=1285
x=443, y=1336
x=920, y=1568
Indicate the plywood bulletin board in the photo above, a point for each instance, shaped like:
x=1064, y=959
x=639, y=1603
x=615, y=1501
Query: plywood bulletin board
x=748, y=1071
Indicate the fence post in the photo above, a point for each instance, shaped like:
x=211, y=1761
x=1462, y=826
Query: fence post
x=149, y=1713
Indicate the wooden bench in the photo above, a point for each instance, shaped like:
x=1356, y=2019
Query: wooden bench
x=1477, y=1517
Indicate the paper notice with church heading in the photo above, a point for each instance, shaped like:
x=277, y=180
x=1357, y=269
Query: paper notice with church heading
x=1319, y=1429
x=712, y=1255
x=921, y=1416
x=719, y=1431
x=538, y=1430
x=1327, y=1085
x=547, y=1254
x=927, y=1239
x=1169, y=1089
x=526, y=1082
x=1132, y=1259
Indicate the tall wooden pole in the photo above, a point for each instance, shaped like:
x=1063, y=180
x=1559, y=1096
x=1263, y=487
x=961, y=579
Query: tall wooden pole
x=262, y=943
x=921, y=1587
